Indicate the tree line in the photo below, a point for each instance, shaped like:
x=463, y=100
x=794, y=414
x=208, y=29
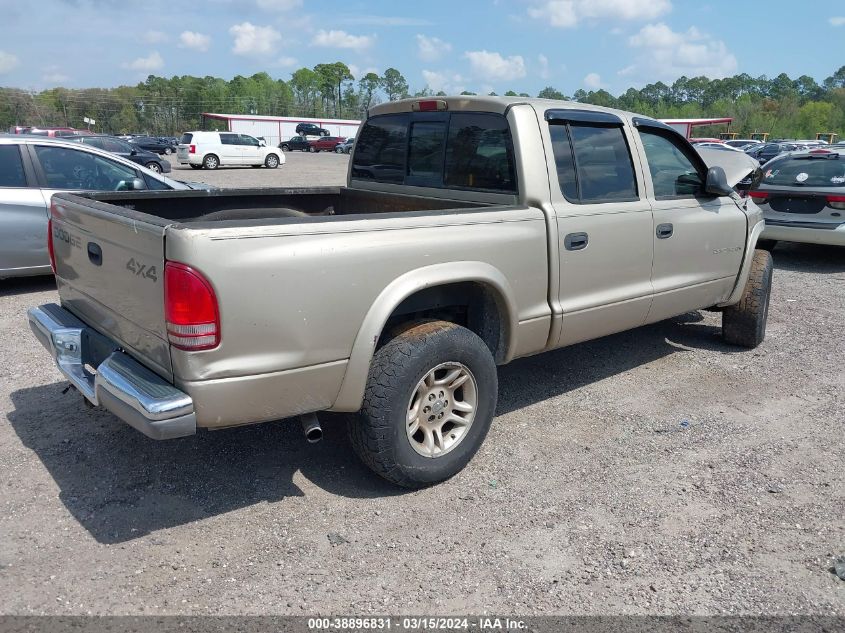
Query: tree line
x=782, y=106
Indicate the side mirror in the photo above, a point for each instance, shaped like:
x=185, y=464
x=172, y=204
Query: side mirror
x=262, y=143
x=137, y=184
x=134, y=152
x=717, y=182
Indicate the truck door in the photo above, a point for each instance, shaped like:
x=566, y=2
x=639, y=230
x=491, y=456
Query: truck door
x=604, y=225
x=23, y=215
x=699, y=239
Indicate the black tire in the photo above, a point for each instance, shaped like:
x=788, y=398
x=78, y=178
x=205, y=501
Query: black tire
x=168, y=151
x=745, y=323
x=379, y=434
x=272, y=161
x=313, y=149
x=154, y=166
x=284, y=148
x=338, y=150
x=211, y=162
x=196, y=166
x=767, y=245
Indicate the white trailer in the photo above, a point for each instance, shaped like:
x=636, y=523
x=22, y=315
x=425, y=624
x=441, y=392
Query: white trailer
x=274, y=129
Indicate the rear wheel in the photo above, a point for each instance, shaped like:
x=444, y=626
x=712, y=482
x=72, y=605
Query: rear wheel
x=313, y=150
x=272, y=161
x=745, y=323
x=168, y=151
x=211, y=162
x=429, y=402
x=153, y=166
x=196, y=166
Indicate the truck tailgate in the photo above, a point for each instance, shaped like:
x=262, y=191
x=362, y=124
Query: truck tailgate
x=110, y=273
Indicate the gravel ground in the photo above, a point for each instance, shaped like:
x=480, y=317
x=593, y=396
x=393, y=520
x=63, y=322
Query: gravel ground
x=652, y=472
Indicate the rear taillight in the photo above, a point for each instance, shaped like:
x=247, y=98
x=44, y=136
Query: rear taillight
x=190, y=309
x=760, y=197
x=837, y=202
x=50, y=245
x=192, y=149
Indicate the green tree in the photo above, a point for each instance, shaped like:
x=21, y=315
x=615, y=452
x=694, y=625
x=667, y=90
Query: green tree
x=394, y=84
x=551, y=93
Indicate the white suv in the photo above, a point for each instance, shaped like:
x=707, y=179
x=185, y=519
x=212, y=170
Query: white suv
x=213, y=149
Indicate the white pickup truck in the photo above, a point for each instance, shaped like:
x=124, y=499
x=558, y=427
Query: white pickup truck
x=472, y=231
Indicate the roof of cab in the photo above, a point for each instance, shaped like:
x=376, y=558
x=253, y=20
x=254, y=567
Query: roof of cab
x=497, y=105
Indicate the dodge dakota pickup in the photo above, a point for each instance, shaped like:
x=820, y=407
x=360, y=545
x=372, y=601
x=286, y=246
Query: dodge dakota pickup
x=471, y=231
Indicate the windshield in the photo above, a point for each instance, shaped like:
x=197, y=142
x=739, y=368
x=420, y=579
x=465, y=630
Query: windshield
x=807, y=171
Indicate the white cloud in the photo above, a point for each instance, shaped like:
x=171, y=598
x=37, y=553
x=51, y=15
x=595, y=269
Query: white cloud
x=543, y=61
x=494, y=67
x=568, y=13
x=430, y=49
x=342, y=39
x=666, y=55
x=155, y=37
x=55, y=78
x=147, y=64
x=8, y=62
x=838, y=20
x=254, y=40
x=451, y=83
x=386, y=20
x=593, y=81
x=194, y=41
x=286, y=62
x=278, y=5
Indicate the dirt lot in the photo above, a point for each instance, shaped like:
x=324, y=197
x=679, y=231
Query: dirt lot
x=656, y=471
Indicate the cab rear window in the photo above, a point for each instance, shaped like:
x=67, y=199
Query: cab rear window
x=443, y=150
x=814, y=170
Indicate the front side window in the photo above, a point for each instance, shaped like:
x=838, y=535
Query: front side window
x=593, y=162
x=11, y=167
x=245, y=139
x=381, y=150
x=71, y=169
x=673, y=172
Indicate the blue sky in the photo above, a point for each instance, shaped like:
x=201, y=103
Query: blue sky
x=478, y=45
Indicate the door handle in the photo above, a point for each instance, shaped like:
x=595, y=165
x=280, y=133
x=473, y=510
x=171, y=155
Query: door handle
x=95, y=254
x=664, y=231
x=576, y=241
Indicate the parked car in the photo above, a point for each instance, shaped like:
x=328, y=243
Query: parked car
x=768, y=151
x=451, y=250
x=741, y=143
x=32, y=169
x=695, y=141
x=311, y=129
x=210, y=150
x=719, y=146
x=802, y=195
x=326, y=143
x=345, y=147
x=126, y=150
x=154, y=144
x=297, y=142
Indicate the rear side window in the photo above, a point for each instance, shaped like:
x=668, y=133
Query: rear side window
x=186, y=139
x=11, y=167
x=381, y=151
x=819, y=170
x=479, y=153
x=593, y=163
x=229, y=139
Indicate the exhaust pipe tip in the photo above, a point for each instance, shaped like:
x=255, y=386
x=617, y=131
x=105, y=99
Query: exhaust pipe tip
x=312, y=429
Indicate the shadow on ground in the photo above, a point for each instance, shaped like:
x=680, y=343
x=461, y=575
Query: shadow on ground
x=809, y=258
x=25, y=285
x=121, y=485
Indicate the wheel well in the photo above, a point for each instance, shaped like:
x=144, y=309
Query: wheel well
x=475, y=306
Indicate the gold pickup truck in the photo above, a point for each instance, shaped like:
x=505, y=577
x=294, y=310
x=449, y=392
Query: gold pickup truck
x=472, y=231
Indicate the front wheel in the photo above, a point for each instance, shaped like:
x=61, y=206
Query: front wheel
x=153, y=166
x=429, y=402
x=168, y=151
x=284, y=148
x=745, y=323
x=767, y=245
x=313, y=150
x=272, y=161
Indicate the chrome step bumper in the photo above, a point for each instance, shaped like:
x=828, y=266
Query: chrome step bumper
x=120, y=384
